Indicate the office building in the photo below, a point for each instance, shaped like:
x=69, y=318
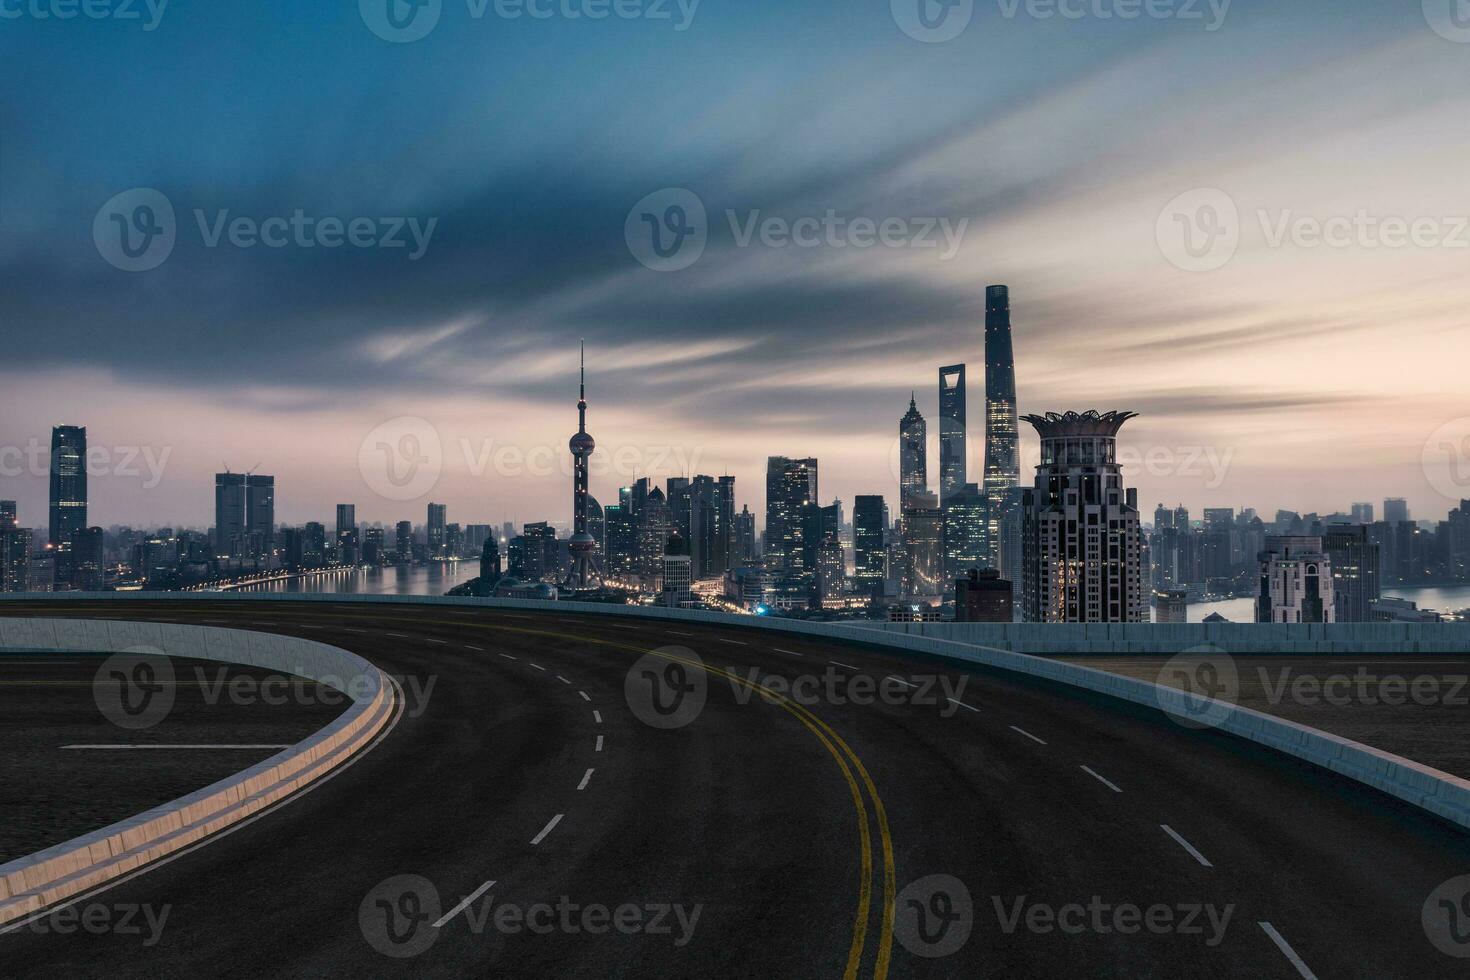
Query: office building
x=1395, y=510
x=869, y=531
x=1081, y=539
x=347, y=537
x=1171, y=606
x=68, y=472
x=437, y=529
x=966, y=530
x=1362, y=513
x=1355, y=572
x=1002, y=435
x=982, y=596
x=244, y=514
x=403, y=542
x=1295, y=581
x=746, y=545
x=923, y=546
x=791, y=485
x=913, y=454
x=952, y=461
x=677, y=573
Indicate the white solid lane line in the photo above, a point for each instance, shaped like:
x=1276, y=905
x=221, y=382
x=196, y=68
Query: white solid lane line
x=585, y=777
x=159, y=746
x=836, y=663
x=1102, y=779
x=599, y=744
x=464, y=904
x=1186, y=845
x=1287, y=951
x=962, y=704
x=584, y=696
x=1028, y=735
x=546, y=830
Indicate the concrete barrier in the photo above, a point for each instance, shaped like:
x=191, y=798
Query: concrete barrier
x=31, y=883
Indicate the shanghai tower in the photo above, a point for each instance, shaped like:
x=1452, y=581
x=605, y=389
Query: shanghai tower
x=1002, y=451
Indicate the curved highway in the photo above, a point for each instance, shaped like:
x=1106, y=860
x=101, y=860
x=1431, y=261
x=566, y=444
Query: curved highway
x=581, y=796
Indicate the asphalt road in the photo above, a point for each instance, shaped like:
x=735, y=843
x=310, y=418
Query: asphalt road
x=68, y=769
x=757, y=838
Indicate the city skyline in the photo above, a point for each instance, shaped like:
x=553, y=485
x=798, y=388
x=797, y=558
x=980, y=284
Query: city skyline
x=751, y=350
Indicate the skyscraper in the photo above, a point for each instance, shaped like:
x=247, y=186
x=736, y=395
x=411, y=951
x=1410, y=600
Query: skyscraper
x=582, y=546
x=952, y=462
x=966, y=531
x=791, y=484
x=1002, y=439
x=403, y=542
x=1295, y=581
x=1395, y=510
x=869, y=552
x=913, y=454
x=1082, y=544
x=68, y=494
x=438, y=518
x=1355, y=573
x=244, y=514
x=923, y=546
x=347, y=542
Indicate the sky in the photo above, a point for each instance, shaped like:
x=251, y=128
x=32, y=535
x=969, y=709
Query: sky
x=1245, y=221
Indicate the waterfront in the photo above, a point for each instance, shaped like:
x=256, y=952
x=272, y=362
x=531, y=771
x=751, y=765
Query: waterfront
x=1442, y=599
x=434, y=578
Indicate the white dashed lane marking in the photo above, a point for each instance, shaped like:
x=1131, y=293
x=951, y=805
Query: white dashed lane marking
x=599, y=744
x=464, y=904
x=546, y=830
x=509, y=657
x=598, y=716
x=790, y=653
x=562, y=679
x=584, y=696
x=586, y=776
x=838, y=663
x=1102, y=779
x=1028, y=735
x=537, y=666
x=962, y=704
x=1194, y=853
x=1287, y=951
x=738, y=643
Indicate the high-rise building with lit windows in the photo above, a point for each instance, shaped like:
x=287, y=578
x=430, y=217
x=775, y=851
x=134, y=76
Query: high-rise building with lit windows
x=68, y=494
x=1082, y=544
x=952, y=459
x=1002, y=436
x=913, y=453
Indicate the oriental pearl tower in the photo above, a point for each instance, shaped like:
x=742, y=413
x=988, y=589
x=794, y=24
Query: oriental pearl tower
x=582, y=545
